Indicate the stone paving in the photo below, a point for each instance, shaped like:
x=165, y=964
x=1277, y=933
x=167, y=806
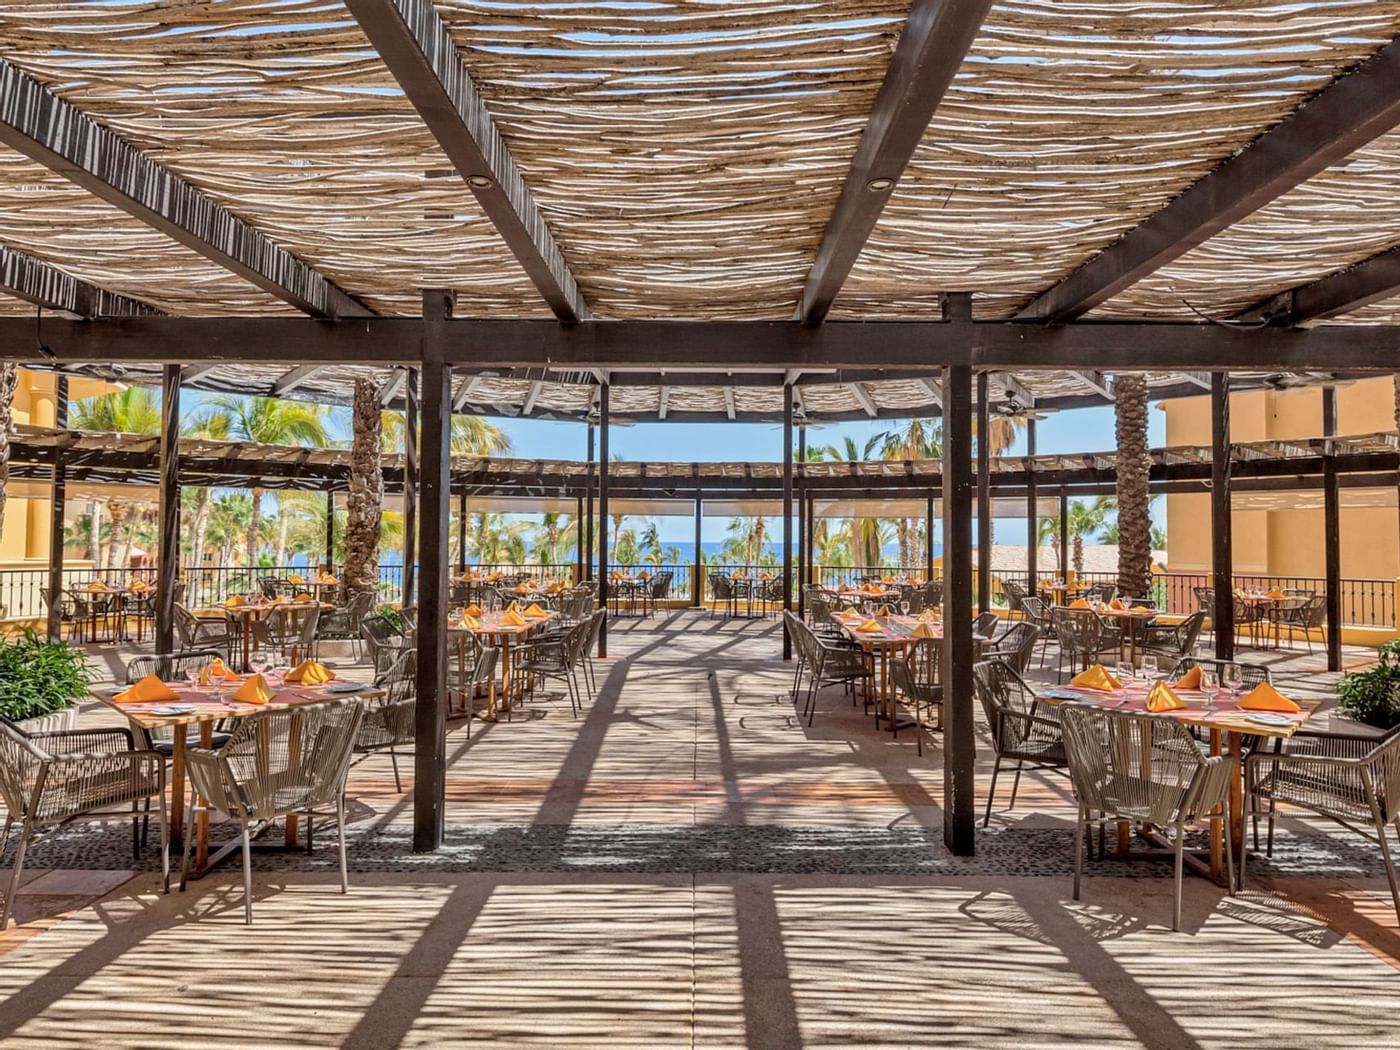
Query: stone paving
x=688, y=864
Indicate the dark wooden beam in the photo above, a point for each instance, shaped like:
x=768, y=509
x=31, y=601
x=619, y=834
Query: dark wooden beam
x=57, y=508
x=603, y=516
x=1032, y=519
x=1368, y=281
x=1222, y=533
x=984, y=498
x=1357, y=107
x=168, y=511
x=293, y=378
x=697, y=585
x=915, y=346
x=410, y=483
x=931, y=48
x=39, y=124
x=787, y=516
x=1064, y=536
x=588, y=512
x=462, y=534
x=430, y=709
x=1332, y=532
x=416, y=46
x=330, y=531
x=959, y=734
x=44, y=284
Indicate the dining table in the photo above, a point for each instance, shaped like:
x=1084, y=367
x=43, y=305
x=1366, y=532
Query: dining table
x=1268, y=606
x=490, y=630
x=114, y=599
x=200, y=708
x=1226, y=726
x=897, y=633
x=252, y=610
x=1130, y=619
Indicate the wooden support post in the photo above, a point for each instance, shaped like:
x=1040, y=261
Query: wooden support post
x=787, y=516
x=168, y=556
x=578, y=540
x=462, y=534
x=1064, y=536
x=1032, y=518
x=959, y=739
x=1332, y=531
x=1222, y=553
x=928, y=537
x=984, y=497
x=804, y=554
x=430, y=709
x=603, y=515
x=330, y=531
x=588, y=515
x=697, y=582
x=410, y=484
x=57, y=509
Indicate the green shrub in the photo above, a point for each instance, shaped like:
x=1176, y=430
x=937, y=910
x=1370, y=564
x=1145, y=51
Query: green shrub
x=393, y=615
x=1373, y=696
x=38, y=676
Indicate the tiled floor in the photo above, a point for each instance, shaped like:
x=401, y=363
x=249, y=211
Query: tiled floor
x=688, y=864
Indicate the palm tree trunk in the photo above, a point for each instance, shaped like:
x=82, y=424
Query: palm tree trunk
x=364, y=504
x=250, y=543
x=9, y=378
x=1134, y=465
x=95, y=534
x=201, y=525
x=1078, y=556
x=283, y=520
x=116, y=517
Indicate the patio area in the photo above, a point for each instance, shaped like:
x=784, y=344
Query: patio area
x=688, y=864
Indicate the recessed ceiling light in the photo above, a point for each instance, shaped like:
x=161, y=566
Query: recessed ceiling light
x=879, y=185
x=479, y=182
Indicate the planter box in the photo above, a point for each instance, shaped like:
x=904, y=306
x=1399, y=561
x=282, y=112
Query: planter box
x=66, y=718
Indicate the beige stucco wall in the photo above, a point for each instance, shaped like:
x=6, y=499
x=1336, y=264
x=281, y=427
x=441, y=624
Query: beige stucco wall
x=1285, y=543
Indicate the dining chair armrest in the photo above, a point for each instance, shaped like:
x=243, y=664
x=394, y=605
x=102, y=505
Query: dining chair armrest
x=69, y=741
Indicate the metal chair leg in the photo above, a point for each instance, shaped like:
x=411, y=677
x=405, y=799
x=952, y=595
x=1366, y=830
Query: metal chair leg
x=1176, y=893
x=187, y=843
x=1385, y=857
x=991, y=792
x=340, y=827
x=15, y=873
x=1079, y=819
x=247, y=876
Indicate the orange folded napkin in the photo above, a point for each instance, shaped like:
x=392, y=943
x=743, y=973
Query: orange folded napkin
x=216, y=669
x=140, y=585
x=327, y=578
x=254, y=691
x=304, y=598
x=98, y=585
x=1161, y=698
x=534, y=612
x=929, y=616
x=884, y=610
x=1264, y=697
x=870, y=627
x=294, y=578
x=472, y=610
x=924, y=630
x=309, y=672
x=1275, y=594
x=524, y=588
x=512, y=607
x=1096, y=677
x=766, y=576
x=235, y=602
x=1117, y=604
x=850, y=610
x=1079, y=603
x=470, y=621
x=1190, y=680
x=643, y=575
x=148, y=690
x=555, y=588
x=512, y=617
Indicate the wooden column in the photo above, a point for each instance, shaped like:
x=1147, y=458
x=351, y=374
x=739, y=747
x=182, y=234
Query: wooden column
x=984, y=497
x=1332, y=531
x=804, y=554
x=1032, y=519
x=57, y=508
x=697, y=582
x=331, y=531
x=787, y=516
x=462, y=534
x=588, y=514
x=1222, y=554
x=430, y=709
x=808, y=542
x=928, y=538
x=410, y=484
x=168, y=556
x=959, y=739
x=603, y=515
x=578, y=540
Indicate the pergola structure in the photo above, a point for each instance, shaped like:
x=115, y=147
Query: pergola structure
x=683, y=211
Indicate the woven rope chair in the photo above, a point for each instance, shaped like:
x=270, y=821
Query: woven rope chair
x=1016, y=646
x=343, y=624
x=916, y=676
x=384, y=641
x=276, y=763
x=205, y=632
x=1143, y=768
x=1177, y=640
x=388, y=721
x=1023, y=729
x=1351, y=779
x=48, y=779
x=291, y=634
x=1082, y=636
x=554, y=658
x=1037, y=613
x=829, y=664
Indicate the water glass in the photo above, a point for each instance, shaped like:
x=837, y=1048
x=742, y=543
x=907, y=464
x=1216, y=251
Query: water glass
x=904, y=607
x=1232, y=676
x=1125, y=670
x=1209, y=687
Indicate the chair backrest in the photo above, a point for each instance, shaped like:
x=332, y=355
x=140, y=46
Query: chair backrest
x=916, y=672
x=1015, y=594
x=1006, y=700
x=986, y=624
x=400, y=679
x=186, y=625
x=933, y=592
x=271, y=586
x=1018, y=644
x=308, y=745
x=357, y=608
x=1314, y=612
x=1190, y=629
x=173, y=667
x=721, y=586
x=1131, y=764
x=1079, y=630
x=1104, y=592
x=1034, y=610
x=20, y=761
x=1250, y=674
x=1205, y=598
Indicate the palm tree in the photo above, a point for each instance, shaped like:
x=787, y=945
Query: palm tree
x=135, y=410
x=1134, y=467
x=269, y=421
x=212, y=426
x=651, y=544
x=1085, y=518
x=866, y=534
x=471, y=435
x=555, y=537
x=917, y=439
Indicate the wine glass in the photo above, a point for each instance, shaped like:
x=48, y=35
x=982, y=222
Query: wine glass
x=1125, y=670
x=904, y=607
x=1209, y=687
x=1232, y=677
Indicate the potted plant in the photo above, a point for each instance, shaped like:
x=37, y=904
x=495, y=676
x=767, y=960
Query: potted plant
x=1373, y=696
x=41, y=682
